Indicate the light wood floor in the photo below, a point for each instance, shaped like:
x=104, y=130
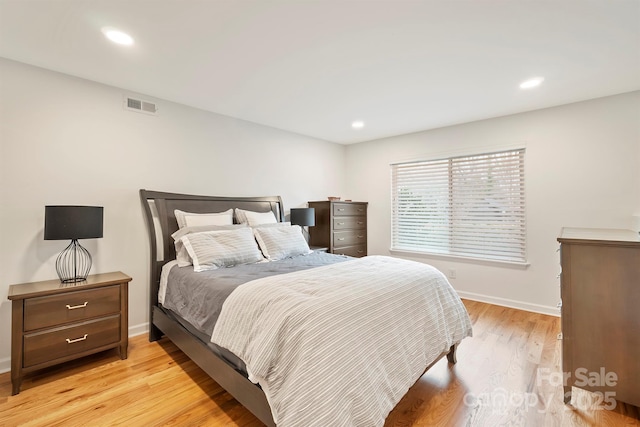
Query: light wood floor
x=494, y=383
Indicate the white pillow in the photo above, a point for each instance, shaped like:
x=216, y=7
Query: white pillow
x=275, y=224
x=182, y=255
x=213, y=249
x=189, y=219
x=281, y=242
x=255, y=218
x=240, y=216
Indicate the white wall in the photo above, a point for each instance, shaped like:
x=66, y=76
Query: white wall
x=582, y=167
x=65, y=140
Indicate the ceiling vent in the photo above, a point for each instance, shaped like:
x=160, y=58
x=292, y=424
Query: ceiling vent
x=140, y=106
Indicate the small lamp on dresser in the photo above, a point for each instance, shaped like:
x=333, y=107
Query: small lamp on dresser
x=304, y=217
x=73, y=222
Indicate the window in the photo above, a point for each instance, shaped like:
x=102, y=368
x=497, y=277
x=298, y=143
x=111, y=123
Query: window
x=471, y=206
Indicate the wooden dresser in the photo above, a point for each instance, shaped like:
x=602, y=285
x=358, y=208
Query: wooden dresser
x=600, y=289
x=54, y=322
x=341, y=227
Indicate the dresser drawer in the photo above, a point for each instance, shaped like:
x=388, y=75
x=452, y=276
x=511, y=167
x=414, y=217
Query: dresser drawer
x=45, y=346
x=341, y=209
x=350, y=222
x=54, y=310
x=354, y=251
x=349, y=238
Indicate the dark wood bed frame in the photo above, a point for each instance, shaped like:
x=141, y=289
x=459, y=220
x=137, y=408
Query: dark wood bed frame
x=159, y=209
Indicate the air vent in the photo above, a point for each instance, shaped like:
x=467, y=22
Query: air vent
x=140, y=106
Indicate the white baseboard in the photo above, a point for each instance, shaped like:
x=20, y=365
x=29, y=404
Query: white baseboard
x=139, y=329
x=142, y=328
x=504, y=302
x=5, y=365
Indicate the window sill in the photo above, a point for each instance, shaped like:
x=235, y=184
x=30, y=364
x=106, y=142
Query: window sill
x=458, y=258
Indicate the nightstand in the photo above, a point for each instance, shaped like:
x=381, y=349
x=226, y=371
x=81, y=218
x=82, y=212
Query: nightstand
x=54, y=322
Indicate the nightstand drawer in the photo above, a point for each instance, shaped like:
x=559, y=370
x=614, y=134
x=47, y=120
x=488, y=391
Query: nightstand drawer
x=41, y=347
x=46, y=311
x=340, y=209
x=349, y=238
x=348, y=223
x=354, y=251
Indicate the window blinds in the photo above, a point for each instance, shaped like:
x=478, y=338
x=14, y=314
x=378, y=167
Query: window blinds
x=471, y=206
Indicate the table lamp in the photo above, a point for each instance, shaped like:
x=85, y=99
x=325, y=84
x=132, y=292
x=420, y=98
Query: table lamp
x=304, y=217
x=73, y=222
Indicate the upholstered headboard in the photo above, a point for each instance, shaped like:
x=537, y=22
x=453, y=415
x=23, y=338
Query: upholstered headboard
x=158, y=208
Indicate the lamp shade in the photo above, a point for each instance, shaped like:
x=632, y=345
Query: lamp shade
x=73, y=222
x=303, y=216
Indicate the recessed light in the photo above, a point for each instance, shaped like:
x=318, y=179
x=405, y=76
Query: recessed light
x=117, y=36
x=531, y=83
x=358, y=124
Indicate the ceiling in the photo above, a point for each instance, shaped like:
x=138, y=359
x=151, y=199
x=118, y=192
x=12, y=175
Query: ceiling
x=315, y=66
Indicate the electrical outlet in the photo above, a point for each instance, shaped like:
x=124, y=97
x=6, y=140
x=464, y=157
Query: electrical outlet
x=452, y=273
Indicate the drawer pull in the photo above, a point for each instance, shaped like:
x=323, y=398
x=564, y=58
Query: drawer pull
x=360, y=222
x=340, y=209
x=69, y=307
x=342, y=238
x=360, y=251
x=360, y=210
x=359, y=237
x=559, y=336
x=69, y=341
x=341, y=223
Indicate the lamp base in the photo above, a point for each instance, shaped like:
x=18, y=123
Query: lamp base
x=73, y=263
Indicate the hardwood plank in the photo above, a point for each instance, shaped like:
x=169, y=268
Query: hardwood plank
x=159, y=386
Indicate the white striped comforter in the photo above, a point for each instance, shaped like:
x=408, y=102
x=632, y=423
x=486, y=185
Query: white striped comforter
x=340, y=345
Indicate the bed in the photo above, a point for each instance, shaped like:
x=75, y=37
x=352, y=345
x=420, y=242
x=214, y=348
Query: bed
x=278, y=377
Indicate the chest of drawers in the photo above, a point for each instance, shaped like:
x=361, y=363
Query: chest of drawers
x=340, y=226
x=600, y=289
x=54, y=322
